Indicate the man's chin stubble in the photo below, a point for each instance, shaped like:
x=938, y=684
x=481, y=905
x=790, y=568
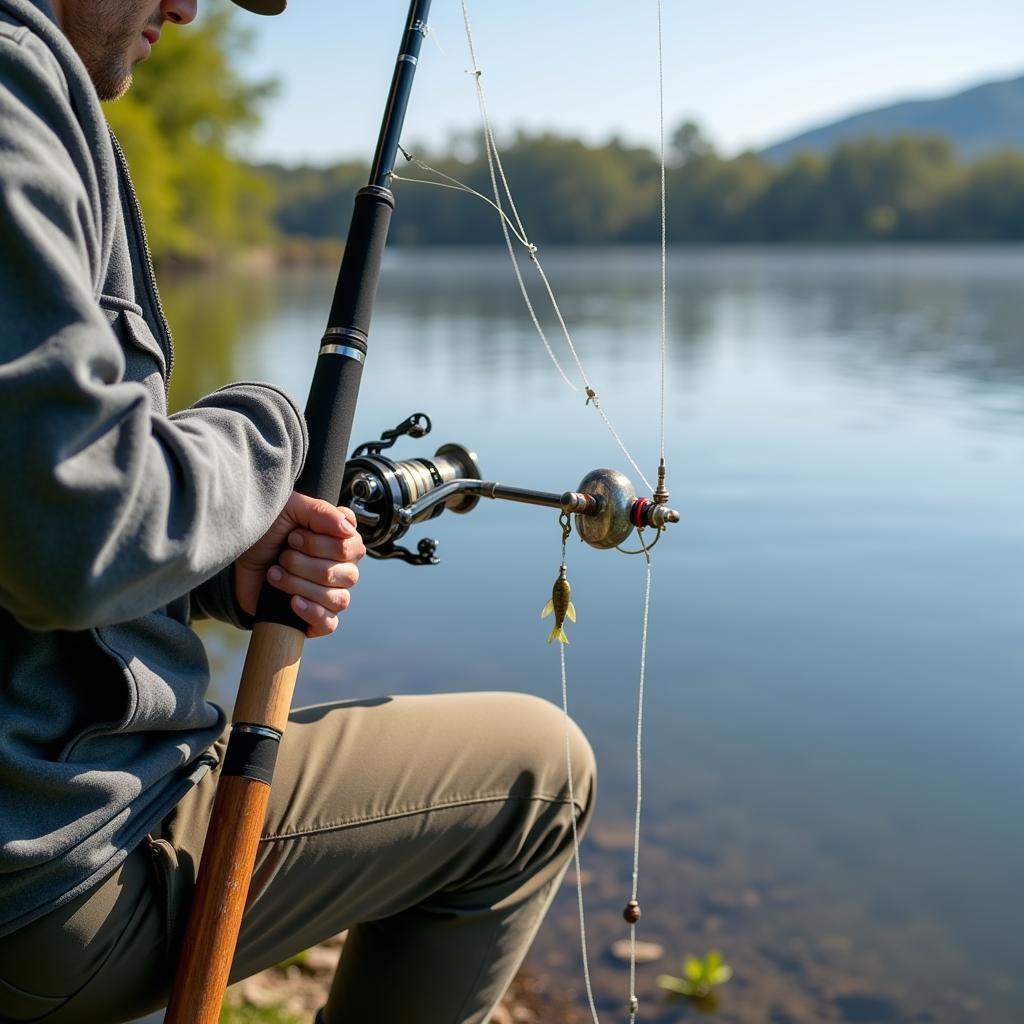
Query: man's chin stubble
x=116, y=91
x=111, y=83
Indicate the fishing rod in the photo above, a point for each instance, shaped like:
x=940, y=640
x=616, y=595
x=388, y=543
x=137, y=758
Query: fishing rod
x=275, y=648
x=387, y=498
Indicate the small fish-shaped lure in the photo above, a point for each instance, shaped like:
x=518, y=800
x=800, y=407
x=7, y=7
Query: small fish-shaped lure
x=561, y=605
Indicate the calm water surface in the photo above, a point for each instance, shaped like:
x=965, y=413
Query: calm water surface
x=834, y=744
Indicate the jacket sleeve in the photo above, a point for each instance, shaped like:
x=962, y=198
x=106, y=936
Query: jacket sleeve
x=110, y=509
x=215, y=599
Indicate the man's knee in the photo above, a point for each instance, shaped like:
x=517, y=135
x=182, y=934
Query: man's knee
x=553, y=743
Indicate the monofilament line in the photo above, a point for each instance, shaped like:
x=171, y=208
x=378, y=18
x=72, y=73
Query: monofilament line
x=506, y=226
x=576, y=845
x=497, y=171
x=641, y=690
x=664, y=228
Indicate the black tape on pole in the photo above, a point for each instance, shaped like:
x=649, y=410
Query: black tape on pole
x=251, y=755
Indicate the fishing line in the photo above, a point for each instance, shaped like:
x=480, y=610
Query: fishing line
x=506, y=226
x=634, y=1003
x=457, y=186
x=429, y=32
x=576, y=848
x=512, y=225
x=664, y=231
x=517, y=230
x=495, y=164
x=644, y=548
x=572, y=813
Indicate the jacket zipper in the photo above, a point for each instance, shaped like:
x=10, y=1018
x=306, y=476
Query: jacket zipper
x=147, y=265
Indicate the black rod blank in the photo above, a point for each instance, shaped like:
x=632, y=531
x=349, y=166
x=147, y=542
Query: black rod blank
x=331, y=404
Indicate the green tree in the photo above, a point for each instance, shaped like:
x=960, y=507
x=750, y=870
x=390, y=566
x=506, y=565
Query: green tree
x=315, y=202
x=714, y=200
x=887, y=188
x=571, y=191
x=989, y=206
x=789, y=209
x=688, y=143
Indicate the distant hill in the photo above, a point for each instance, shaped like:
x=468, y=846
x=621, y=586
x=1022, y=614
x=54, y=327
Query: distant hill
x=978, y=120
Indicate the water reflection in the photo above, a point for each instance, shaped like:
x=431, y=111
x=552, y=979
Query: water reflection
x=833, y=741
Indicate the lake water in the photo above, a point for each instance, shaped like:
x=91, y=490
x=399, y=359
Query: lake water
x=834, y=743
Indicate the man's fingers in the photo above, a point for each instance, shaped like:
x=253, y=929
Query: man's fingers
x=334, y=599
x=321, y=516
x=321, y=621
x=334, y=549
x=323, y=571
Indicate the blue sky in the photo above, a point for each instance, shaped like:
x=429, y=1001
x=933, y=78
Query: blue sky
x=749, y=72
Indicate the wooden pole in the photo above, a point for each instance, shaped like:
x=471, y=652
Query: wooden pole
x=264, y=699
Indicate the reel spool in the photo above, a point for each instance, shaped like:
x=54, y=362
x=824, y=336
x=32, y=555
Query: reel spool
x=376, y=487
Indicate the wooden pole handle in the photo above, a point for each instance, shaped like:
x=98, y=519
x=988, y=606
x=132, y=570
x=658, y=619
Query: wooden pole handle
x=229, y=853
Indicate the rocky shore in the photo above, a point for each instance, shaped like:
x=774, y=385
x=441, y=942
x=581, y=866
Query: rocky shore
x=292, y=992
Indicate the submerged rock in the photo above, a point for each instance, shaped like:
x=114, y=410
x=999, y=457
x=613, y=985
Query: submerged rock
x=646, y=952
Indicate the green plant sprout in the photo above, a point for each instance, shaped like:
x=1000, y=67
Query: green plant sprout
x=699, y=976
x=256, y=1015
x=299, y=960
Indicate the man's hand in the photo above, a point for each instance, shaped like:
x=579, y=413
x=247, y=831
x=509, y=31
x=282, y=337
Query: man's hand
x=317, y=564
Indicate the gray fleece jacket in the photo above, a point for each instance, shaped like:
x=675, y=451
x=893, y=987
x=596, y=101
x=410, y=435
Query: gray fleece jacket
x=118, y=523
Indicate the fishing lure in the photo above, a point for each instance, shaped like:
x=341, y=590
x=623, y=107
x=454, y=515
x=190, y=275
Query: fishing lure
x=561, y=605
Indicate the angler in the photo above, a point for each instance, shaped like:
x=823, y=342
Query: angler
x=434, y=828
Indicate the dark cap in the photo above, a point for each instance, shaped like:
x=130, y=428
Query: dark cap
x=263, y=6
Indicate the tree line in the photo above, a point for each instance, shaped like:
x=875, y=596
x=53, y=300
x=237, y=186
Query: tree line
x=181, y=123
x=911, y=188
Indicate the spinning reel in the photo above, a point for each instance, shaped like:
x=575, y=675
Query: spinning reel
x=388, y=496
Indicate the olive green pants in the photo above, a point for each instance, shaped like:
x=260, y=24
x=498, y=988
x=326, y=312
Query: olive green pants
x=435, y=828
